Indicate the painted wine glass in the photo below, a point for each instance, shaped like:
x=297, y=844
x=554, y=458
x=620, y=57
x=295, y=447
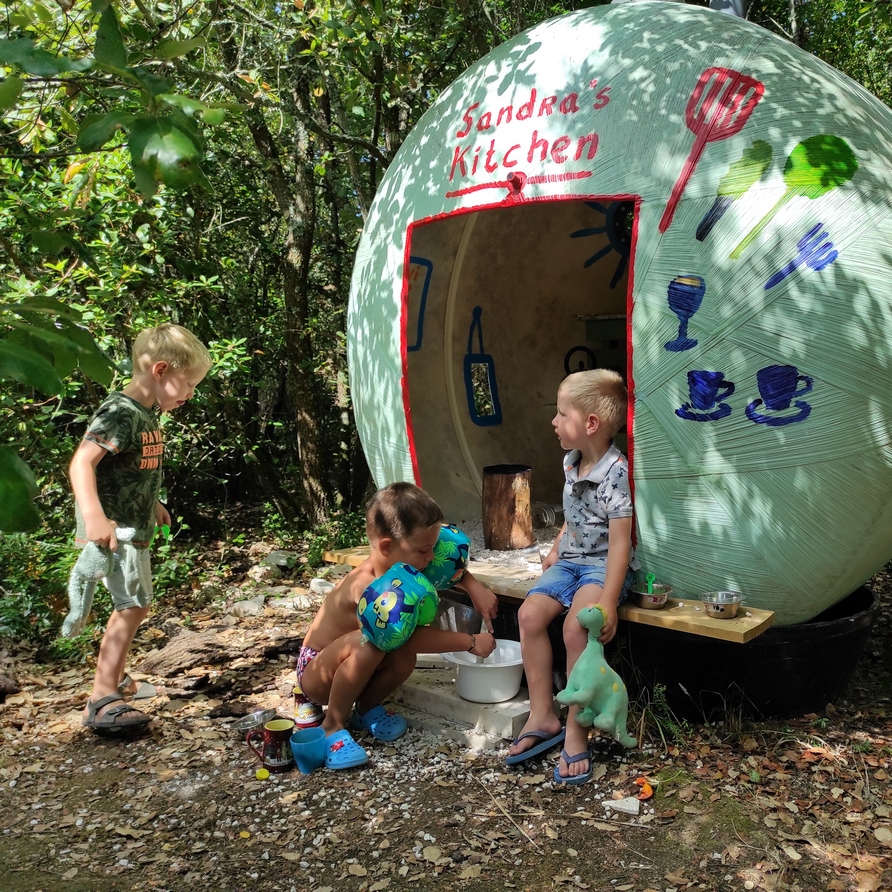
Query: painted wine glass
x=685, y=296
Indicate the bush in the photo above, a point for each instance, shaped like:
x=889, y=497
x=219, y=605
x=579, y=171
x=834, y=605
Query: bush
x=35, y=580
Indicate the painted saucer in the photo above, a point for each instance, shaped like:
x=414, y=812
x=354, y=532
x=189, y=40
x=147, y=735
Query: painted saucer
x=777, y=420
x=689, y=414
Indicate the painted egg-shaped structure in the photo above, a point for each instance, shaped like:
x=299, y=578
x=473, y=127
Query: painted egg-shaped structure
x=682, y=196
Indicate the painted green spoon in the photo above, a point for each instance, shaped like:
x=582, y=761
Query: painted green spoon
x=749, y=168
x=814, y=167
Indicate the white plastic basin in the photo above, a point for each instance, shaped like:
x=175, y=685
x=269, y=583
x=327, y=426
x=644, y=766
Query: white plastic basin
x=496, y=679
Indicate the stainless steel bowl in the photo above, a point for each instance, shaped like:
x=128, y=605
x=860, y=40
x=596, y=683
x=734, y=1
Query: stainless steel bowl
x=252, y=720
x=652, y=600
x=454, y=616
x=722, y=605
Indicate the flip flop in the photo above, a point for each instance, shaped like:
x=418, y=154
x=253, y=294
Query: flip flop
x=547, y=742
x=114, y=720
x=570, y=779
x=144, y=690
x=382, y=725
x=344, y=751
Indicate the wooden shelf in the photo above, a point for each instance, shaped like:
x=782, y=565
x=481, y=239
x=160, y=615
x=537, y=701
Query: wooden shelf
x=681, y=614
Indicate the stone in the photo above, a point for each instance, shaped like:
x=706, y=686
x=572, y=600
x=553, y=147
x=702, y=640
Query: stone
x=321, y=586
x=284, y=560
x=248, y=607
x=628, y=806
x=264, y=573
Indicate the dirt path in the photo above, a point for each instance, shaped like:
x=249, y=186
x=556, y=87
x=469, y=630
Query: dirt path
x=802, y=804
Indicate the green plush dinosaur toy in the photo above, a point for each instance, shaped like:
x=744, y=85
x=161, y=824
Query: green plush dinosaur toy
x=595, y=687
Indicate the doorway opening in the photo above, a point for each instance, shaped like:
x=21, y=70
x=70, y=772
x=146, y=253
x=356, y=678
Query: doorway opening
x=499, y=305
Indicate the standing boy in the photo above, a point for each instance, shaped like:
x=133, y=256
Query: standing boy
x=588, y=564
x=337, y=665
x=116, y=478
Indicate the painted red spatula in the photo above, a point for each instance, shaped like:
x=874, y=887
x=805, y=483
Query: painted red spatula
x=718, y=108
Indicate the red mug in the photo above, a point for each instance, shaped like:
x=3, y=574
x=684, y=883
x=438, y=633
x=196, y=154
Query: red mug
x=274, y=750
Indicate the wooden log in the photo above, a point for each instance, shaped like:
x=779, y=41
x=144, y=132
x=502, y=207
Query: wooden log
x=507, y=518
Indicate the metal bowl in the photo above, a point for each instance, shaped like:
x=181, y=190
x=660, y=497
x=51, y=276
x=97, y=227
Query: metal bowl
x=252, y=720
x=722, y=605
x=652, y=600
x=453, y=616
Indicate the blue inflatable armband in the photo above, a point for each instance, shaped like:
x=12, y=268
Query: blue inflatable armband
x=394, y=604
x=451, y=554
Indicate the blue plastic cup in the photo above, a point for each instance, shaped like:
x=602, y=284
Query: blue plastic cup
x=310, y=748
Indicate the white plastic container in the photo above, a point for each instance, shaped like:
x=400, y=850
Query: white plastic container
x=496, y=679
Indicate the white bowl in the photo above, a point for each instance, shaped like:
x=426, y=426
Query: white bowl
x=496, y=679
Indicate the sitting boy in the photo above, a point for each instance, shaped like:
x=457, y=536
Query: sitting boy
x=339, y=666
x=588, y=564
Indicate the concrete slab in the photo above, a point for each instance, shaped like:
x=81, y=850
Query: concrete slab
x=477, y=742
x=431, y=691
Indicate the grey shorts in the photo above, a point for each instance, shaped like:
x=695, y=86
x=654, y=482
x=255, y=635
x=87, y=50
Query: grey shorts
x=130, y=580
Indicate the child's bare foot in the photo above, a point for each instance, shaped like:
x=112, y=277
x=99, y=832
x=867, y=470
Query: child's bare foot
x=576, y=744
x=538, y=735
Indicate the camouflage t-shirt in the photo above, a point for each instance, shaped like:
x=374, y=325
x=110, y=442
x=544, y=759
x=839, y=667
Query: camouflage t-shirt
x=128, y=479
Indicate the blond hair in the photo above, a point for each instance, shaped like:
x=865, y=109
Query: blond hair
x=598, y=392
x=169, y=343
x=398, y=510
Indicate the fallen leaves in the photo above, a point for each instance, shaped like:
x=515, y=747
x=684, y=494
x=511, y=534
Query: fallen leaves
x=884, y=834
x=779, y=804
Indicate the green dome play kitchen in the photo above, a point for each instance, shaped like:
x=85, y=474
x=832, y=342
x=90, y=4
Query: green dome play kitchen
x=747, y=303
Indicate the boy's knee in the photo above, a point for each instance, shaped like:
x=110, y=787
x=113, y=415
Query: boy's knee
x=574, y=634
x=529, y=619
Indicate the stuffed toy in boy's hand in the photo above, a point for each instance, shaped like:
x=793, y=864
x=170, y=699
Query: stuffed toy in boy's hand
x=93, y=563
x=595, y=687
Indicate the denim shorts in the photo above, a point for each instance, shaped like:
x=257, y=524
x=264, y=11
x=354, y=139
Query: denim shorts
x=564, y=578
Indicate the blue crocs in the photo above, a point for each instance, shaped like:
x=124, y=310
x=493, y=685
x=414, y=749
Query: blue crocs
x=382, y=725
x=344, y=751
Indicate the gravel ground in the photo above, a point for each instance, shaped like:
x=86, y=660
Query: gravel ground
x=800, y=804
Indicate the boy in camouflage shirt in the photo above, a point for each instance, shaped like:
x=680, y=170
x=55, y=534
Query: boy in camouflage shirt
x=116, y=478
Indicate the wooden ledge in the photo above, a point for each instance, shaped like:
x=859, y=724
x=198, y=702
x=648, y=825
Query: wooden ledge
x=680, y=614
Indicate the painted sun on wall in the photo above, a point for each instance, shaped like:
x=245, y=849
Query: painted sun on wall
x=682, y=196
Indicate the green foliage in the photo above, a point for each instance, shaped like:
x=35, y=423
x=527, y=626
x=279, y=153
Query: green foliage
x=172, y=566
x=34, y=583
x=658, y=718
x=343, y=529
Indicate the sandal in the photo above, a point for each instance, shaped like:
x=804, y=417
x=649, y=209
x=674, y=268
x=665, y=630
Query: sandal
x=114, y=719
x=382, y=725
x=569, y=778
x=144, y=689
x=344, y=751
x=546, y=741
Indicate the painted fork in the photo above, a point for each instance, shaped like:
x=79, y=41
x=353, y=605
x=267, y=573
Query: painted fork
x=813, y=252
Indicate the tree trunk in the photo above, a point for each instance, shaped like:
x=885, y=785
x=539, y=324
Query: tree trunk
x=507, y=519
